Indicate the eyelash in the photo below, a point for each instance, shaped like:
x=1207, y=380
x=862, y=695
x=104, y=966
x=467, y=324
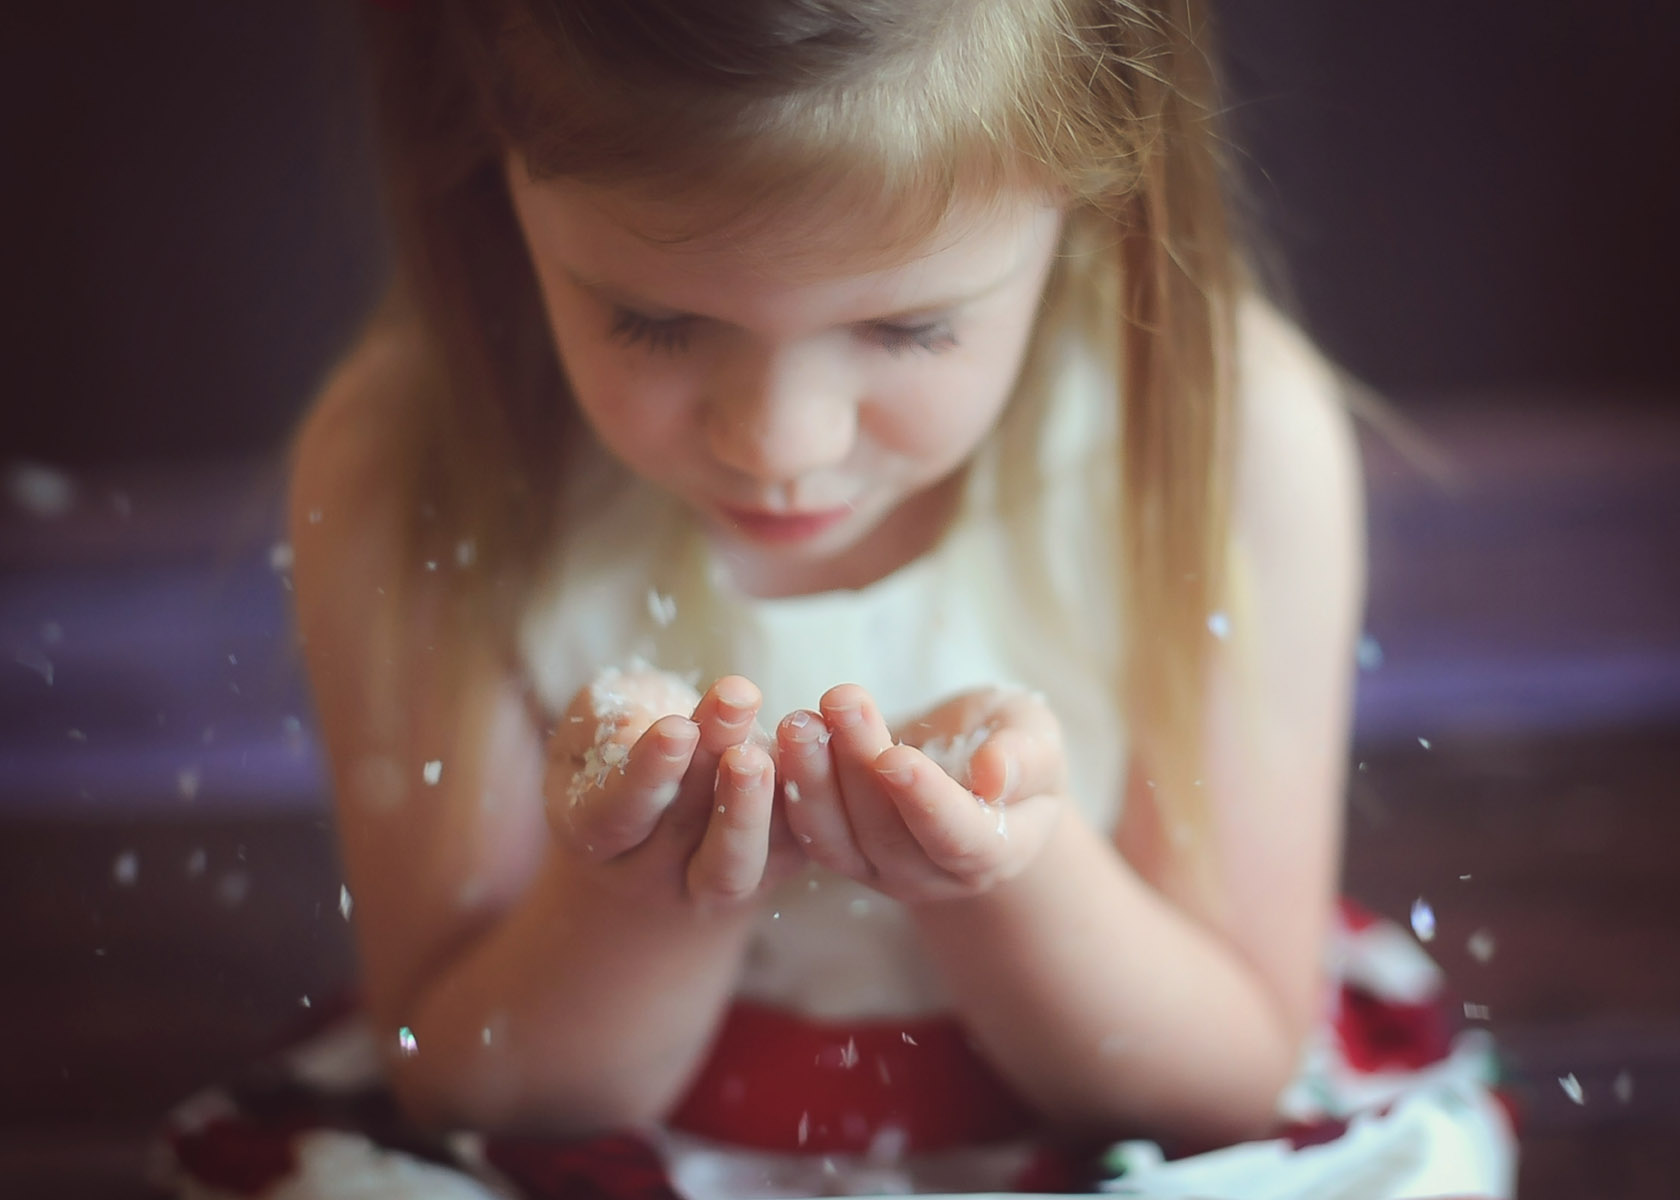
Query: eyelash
x=669, y=335
x=666, y=335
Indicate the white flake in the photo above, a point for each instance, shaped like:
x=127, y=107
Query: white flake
x=406, y=1042
x=1481, y=945
x=187, y=780
x=196, y=862
x=345, y=904
x=126, y=868
x=1219, y=624
x=432, y=772
x=466, y=553
x=662, y=608
x=1370, y=653
x=303, y=1001
x=791, y=790
x=40, y=490
x=1475, y=1012
x=1424, y=742
x=280, y=557
x=1423, y=920
x=1572, y=1088
x=1623, y=1086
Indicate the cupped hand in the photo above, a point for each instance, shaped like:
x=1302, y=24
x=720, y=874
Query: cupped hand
x=963, y=800
x=661, y=806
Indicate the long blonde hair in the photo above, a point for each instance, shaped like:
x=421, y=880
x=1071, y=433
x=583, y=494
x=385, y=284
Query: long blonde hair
x=1110, y=104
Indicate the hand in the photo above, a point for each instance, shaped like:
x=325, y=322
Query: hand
x=663, y=807
x=924, y=821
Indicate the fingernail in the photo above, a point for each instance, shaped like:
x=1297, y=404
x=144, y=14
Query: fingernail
x=744, y=773
x=675, y=747
x=902, y=775
x=845, y=717
x=801, y=728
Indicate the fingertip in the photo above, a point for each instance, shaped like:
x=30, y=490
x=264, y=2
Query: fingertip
x=898, y=766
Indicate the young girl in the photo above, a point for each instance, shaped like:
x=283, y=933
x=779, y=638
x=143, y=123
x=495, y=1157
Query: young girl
x=885, y=370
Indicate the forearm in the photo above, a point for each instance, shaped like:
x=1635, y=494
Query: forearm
x=575, y=1011
x=1108, y=1007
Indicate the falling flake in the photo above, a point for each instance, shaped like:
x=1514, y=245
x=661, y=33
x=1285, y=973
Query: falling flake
x=232, y=888
x=39, y=490
x=1219, y=624
x=1623, y=1086
x=1423, y=920
x=907, y=1039
x=1424, y=742
x=791, y=790
x=345, y=904
x=303, y=1001
x=1480, y=945
x=432, y=772
x=804, y=1128
x=187, y=780
x=1475, y=1012
x=75, y=735
x=466, y=553
x=314, y=516
x=662, y=608
x=1370, y=653
x=280, y=557
x=406, y=1042
x=431, y=564
x=484, y=1035
x=125, y=869
x=1572, y=1088
x=196, y=862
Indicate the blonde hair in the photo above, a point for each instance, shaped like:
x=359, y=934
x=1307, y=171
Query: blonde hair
x=909, y=104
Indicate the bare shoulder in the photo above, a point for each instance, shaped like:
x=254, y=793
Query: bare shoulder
x=1298, y=495
x=434, y=756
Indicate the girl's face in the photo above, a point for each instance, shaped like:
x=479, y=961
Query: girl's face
x=805, y=401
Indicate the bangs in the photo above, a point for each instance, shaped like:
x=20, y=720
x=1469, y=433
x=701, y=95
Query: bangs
x=893, y=136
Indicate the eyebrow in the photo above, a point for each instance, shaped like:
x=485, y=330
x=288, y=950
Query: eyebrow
x=613, y=294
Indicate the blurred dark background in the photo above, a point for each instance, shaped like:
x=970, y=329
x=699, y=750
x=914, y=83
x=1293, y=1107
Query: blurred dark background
x=1473, y=207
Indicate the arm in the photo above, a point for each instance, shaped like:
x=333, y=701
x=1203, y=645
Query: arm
x=1101, y=983
x=1206, y=1009
x=538, y=988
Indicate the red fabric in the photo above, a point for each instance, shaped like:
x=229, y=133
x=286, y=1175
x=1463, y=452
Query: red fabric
x=237, y=1155
x=1380, y=1035
x=777, y=1081
x=614, y=1167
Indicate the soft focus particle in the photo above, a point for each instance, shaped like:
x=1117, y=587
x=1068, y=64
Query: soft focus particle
x=232, y=888
x=40, y=490
x=466, y=553
x=1219, y=624
x=1370, y=653
x=406, y=1042
x=1623, y=1086
x=1572, y=1088
x=662, y=608
x=345, y=904
x=432, y=772
x=125, y=869
x=1423, y=920
x=280, y=557
x=1424, y=742
x=196, y=862
x=187, y=780
x=1476, y=1012
x=1480, y=945
x=303, y=1001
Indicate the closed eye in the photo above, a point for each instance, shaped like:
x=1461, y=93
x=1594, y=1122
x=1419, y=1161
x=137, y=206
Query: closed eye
x=663, y=335
x=932, y=337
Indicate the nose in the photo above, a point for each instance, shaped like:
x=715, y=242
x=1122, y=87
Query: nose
x=781, y=416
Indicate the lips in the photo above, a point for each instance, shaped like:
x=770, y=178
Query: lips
x=762, y=526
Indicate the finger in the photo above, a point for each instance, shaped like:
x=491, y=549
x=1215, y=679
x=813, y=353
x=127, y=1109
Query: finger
x=613, y=818
x=725, y=717
x=815, y=811
x=859, y=736
x=729, y=863
x=955, y=830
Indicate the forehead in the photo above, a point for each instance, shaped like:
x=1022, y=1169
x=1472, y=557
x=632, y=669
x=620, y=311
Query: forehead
x=700, y=254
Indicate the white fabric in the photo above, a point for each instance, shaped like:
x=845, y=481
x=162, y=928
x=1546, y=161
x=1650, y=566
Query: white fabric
x=1023, y=590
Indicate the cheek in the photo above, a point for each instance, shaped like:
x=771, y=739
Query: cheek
x=941, y=415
